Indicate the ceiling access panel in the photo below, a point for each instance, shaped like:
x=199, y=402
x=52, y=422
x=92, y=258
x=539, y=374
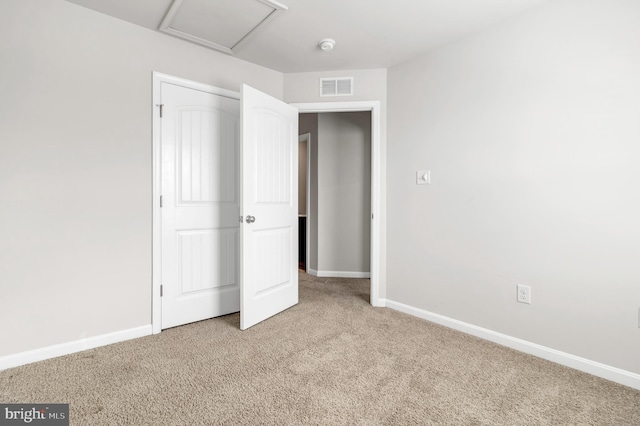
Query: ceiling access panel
x=223, y=25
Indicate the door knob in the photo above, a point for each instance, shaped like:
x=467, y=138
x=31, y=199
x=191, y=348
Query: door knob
x=251, y=219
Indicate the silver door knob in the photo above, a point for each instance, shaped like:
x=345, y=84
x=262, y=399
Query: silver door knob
x=250, y=219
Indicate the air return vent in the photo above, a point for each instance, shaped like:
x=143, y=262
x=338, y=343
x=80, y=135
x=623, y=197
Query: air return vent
x=339, y=86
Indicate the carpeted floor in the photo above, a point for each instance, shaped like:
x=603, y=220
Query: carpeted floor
x=331, y=359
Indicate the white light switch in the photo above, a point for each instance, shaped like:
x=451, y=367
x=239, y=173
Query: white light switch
x=423, y=177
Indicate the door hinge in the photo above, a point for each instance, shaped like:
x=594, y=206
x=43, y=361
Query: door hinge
x=161, y=201
x=240, y=219
x=160, y=106
x=161, y=287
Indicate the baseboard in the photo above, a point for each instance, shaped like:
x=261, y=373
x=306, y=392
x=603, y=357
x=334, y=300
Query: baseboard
x=40, y=354
x=340, y=274
x=614, y=374
x=312, y=272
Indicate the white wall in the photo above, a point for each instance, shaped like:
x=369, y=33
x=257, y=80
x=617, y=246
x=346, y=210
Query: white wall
x=344, y=192
x=75, y=166
x=531, y=132
x=369, y=85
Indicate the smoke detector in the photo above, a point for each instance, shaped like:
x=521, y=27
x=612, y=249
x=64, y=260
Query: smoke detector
x=326, y=44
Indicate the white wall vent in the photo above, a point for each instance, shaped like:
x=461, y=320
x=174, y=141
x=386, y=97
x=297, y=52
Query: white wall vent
x=338, y=86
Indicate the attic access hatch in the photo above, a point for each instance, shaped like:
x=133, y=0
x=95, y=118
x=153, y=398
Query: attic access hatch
x=223, y=25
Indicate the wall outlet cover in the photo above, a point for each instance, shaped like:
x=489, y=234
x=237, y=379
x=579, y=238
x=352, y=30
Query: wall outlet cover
x=524, y=294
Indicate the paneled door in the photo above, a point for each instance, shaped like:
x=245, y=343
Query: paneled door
x=200, y=205
x=270, y=207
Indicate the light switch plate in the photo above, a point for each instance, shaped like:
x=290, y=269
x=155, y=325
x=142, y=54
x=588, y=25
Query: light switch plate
x=423, y=177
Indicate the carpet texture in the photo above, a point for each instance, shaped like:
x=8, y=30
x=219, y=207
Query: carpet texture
x=331, y=359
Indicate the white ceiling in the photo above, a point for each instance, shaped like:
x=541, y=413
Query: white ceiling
x=368, y=33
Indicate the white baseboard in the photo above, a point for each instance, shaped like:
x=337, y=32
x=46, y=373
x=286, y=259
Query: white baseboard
x=339, y=274
x=614, y=374
x=40, y=354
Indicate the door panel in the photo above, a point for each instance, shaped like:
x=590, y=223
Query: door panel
x=200, y=252
x=273, y=247
x=207, y=152
x=269, y=280
x=207, y=259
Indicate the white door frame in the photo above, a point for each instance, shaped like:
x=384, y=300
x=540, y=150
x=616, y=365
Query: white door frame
x=376, y=223
x=156, y=149
x=306, y=137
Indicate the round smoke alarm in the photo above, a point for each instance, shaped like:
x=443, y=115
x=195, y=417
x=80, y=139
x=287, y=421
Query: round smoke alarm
x=327, y=44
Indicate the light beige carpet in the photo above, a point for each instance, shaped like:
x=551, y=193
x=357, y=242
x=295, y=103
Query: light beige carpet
x=332, y=359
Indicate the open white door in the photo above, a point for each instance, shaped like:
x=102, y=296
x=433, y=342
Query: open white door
x=269, y=229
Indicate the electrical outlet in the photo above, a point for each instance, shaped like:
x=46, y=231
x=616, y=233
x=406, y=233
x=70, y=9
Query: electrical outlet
x=524, y=294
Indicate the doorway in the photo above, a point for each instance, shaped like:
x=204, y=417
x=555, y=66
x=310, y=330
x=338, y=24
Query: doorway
x=340, y=172
x=373, y=107
x=259, y=125
x=224, y=207
x=198, y=145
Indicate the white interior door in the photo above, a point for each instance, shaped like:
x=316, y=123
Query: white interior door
x=269, y=277
x=199, y=216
